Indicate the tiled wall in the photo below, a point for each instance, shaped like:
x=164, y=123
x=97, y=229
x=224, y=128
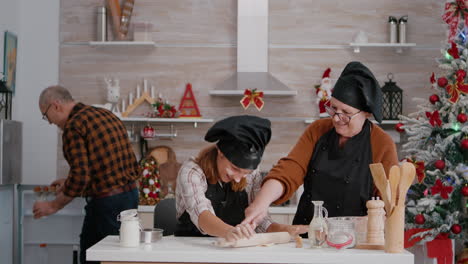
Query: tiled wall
x=197, y=39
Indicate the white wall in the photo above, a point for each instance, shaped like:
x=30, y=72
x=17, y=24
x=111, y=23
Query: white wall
x=36, y=23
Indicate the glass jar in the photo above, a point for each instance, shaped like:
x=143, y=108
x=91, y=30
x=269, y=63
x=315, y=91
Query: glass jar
x=341, y=233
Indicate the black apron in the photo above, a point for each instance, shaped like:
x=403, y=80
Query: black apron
x=338, y=176
x=228, y=205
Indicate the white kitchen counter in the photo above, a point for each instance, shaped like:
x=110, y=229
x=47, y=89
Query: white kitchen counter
x=201, y=250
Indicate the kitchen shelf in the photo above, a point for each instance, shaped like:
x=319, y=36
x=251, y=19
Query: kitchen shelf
x=384, y=122
x=195, y=121
x=147, y=44
x=59, y=243
x=241, y=93
x=398, y=46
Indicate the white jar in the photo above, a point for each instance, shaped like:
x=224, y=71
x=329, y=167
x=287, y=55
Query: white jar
x=130, y=232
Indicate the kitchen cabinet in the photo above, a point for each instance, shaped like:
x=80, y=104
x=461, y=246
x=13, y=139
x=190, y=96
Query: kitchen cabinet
x=51, y=239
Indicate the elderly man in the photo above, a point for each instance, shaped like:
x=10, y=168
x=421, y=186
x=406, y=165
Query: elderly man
x=103, y=166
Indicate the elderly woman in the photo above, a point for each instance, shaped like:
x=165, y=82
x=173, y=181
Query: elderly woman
x=332, y=156
x=214, y=189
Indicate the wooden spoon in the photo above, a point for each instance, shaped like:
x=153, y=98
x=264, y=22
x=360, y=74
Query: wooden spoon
x=394, y=181
x=407, y=174
x=380, y=181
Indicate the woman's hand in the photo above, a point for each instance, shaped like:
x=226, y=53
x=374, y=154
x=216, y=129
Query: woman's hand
x=255, y=213
x=295, y=230
x=240, y=231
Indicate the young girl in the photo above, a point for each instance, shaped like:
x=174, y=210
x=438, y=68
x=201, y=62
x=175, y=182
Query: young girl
x=214, y=189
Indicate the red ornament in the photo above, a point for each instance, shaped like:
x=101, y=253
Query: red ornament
x=440, y=164
x=399, y=127
x=442, y=82
x=461, y=118
x=419, y=219
x=456, y=229
x=464, y=191
x=464, y=143
x=148, y=132
x=434, y=98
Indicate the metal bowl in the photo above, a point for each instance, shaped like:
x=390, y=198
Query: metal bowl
x=150, y=235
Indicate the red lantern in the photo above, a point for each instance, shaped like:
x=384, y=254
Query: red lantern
x=442, y=82
x=434, y=98
x=419, y=219
x=456, y=229
x=440, y=164
x=461, y=118
x=464, y=143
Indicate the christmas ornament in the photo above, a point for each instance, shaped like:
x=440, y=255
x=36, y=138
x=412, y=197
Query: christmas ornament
x=399, y=127
x=464, y=144
x=464, y=191
x=252, y=97
x=458, y=87
x=456, y=229
x=188, y=105
x=462, y=118
x=453, y=51
x=433, y=81
x=440, y=164
x=420, y=169
x=323, y=92
x=455, y=13
x=434, y=98
x=419, y=219
x=148, y=132
x=434, y=118
x=150, y=182
x=442, y=189
x=442, y=82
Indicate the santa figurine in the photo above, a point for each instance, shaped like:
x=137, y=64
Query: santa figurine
x=323, y=92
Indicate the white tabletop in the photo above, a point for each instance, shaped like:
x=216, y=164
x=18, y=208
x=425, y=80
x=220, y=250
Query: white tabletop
x=202, y=250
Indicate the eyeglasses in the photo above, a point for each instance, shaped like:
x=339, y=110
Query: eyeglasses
x=343, y=117
x=44, y=115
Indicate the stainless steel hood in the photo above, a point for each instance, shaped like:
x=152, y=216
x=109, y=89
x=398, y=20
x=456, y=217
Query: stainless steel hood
x=252, y=54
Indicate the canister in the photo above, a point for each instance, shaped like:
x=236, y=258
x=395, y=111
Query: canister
x=392, y=29
x=402, y=29
x=101, y=25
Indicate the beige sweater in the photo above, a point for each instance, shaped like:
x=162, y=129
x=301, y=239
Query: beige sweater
x=291, y=170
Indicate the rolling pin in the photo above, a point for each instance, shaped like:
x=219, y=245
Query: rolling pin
x=257, y=240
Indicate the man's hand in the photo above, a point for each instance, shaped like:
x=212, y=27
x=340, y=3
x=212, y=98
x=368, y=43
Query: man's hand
x=58, y=185
x=44, y=208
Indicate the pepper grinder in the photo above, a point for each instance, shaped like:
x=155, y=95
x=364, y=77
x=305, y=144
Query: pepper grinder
x=375, y=221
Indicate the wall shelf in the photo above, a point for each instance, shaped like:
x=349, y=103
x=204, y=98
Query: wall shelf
x=241, y=93
x=147, y=44
x=398, y=46
x=195, y=121
x=384, y=122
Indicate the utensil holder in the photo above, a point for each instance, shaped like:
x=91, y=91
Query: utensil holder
x=394, y=230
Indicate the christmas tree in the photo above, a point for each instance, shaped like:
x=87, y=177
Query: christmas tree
x=437, y=144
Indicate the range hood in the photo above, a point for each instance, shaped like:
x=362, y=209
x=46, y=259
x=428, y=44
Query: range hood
x=252, y=54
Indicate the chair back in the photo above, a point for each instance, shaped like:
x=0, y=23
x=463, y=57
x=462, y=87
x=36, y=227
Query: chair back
x=165, y=216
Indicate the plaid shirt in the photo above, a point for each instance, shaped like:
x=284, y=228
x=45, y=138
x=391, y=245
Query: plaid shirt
x=191, y=188
x=97, y=148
